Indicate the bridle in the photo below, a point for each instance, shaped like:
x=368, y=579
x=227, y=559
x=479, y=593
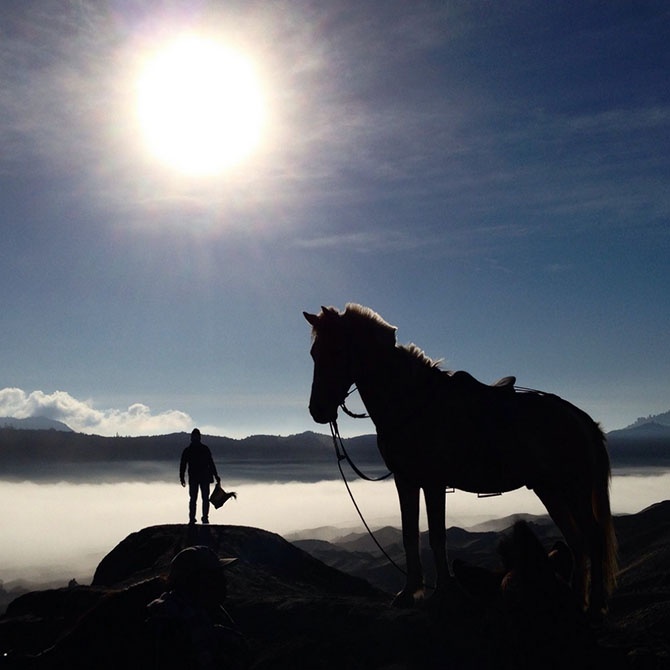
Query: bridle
x=346, y=410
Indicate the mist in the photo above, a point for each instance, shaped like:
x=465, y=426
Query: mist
x=53, y=532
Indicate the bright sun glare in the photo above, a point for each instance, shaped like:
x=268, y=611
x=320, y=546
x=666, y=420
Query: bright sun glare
x=200, y=106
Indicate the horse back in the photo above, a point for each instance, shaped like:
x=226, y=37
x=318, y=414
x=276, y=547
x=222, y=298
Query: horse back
x=486, y=439
x=558, y=436
x=548, y=411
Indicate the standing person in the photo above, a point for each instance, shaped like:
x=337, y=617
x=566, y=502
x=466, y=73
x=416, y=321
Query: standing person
x=201, y=473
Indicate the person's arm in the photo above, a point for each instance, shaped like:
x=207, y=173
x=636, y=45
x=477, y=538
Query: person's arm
x=213, y=466
x=182, y=467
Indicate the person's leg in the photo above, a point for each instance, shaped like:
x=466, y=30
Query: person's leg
x=204, y=492
x=192, y=500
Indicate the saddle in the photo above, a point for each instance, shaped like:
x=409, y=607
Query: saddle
x=502, y=386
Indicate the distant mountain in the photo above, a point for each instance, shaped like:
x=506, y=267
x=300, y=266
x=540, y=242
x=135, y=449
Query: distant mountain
x=662, y=419
x=34, y=423
x=358, y=554
x=641, y=431
x=306, y=457
x=503, y=523
x=644, y=443
x=29, y=448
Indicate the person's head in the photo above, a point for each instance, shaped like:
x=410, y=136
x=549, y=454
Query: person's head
x=195, y=435
x=197, y=574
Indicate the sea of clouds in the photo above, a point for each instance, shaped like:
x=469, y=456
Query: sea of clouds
x=57, y=531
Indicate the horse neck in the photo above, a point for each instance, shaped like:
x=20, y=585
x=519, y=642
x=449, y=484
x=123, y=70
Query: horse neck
x=390, y=382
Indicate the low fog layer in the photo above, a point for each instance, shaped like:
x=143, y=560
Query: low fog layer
x=60, y=531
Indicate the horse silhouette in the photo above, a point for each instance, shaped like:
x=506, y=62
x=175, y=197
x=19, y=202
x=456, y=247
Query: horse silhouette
x=438, y=429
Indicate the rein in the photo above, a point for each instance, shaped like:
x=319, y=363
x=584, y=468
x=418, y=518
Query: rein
x=346, y=410
x=341, y=453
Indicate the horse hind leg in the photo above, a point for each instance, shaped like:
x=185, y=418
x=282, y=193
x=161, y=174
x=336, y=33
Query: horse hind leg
x=593, y=521
x=561, y=513
x=595, y=533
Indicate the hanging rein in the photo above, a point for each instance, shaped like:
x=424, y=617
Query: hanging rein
x=342, y=455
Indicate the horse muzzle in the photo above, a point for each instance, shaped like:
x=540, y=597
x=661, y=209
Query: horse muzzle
x=321, y=414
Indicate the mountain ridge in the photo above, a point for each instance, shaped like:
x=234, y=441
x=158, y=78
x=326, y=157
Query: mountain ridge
x=34, y=423
x=31, y=454
x=307, y=456
x=40, y=422
x=663, y=418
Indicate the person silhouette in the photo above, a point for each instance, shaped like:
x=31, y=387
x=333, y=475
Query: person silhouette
x=197, y=460
x=191, y=627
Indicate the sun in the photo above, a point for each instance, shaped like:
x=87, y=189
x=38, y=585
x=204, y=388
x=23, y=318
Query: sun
x=199, y=106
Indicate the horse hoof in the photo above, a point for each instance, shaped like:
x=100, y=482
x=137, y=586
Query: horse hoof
x=596, y=616
x=408, y=599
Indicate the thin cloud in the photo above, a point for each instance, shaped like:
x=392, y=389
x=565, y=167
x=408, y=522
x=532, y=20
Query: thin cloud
x=654, y=117
x=366, y=242
x=81, y=416
x=449, y=240
x=558, y=268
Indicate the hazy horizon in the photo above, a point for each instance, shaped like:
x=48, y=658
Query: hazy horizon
x=59, y=531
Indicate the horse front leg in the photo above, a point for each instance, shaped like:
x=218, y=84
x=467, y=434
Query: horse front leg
x=435, y=497
x=408, y=495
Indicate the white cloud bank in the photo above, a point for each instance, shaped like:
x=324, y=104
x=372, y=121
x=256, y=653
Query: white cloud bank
x=82, y=417
x=43, y=546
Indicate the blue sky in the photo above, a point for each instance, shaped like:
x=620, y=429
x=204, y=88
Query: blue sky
x=490, y=177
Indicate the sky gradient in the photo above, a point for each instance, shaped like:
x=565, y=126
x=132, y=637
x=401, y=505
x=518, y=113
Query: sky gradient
x=492, y=178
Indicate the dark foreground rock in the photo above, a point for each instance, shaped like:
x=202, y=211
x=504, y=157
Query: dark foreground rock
x=296, y=612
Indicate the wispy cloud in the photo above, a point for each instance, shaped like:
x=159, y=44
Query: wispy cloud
x=365, y=242
x=450, y=240
x=558, y=268
x=81, y=416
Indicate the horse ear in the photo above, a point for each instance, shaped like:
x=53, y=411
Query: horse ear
x=312, y=319
x=329, y=311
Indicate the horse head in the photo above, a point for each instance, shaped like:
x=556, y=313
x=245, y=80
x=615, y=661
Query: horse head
x=332, y=374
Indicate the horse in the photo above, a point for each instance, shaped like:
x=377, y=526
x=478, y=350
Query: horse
x=438, y=429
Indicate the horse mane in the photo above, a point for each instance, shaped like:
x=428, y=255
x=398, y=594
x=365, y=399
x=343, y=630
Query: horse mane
x=420, y=355
x=367, y=318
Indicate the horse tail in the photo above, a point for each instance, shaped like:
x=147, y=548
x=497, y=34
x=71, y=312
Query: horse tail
x=600, y=501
